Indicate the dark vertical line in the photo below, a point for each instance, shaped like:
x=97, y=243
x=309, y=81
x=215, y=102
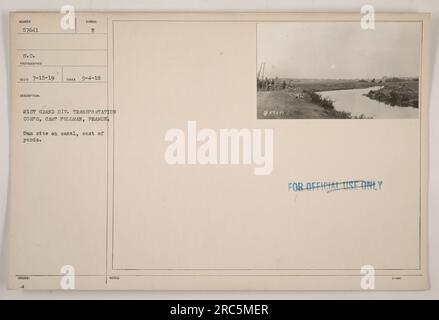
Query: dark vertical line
x=256, y=71
x=107, y=191
x=421, y=102
x=112, y=199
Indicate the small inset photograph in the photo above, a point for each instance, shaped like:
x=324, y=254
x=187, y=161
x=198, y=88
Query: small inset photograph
x=338, y=70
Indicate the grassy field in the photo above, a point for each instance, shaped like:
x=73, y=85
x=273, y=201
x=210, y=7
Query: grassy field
x=317, y=85
x=284, y=105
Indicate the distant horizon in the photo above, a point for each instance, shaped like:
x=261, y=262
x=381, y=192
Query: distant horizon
x=339, y=50
x=389, y=77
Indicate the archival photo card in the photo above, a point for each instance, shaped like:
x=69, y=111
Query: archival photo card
x=338, y=70
x=140, y=158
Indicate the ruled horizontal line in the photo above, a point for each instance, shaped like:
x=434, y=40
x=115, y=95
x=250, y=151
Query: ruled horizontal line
x=225, y=275
x=61, y=65
x=61, y=33
x=84, y=82
x=75, y=49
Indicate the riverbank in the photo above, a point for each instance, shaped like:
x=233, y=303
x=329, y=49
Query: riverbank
x=356, y=102
x=284, y=104
x=286, y=98
x=328, y=105
x=399, y=92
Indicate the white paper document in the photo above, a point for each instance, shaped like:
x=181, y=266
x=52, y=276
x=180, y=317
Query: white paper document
x=218, y=151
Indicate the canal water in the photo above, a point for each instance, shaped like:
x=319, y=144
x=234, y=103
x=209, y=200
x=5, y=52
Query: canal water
x=355, y=102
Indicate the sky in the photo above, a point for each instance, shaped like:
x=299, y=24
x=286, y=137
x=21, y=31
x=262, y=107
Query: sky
x=339, y=50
